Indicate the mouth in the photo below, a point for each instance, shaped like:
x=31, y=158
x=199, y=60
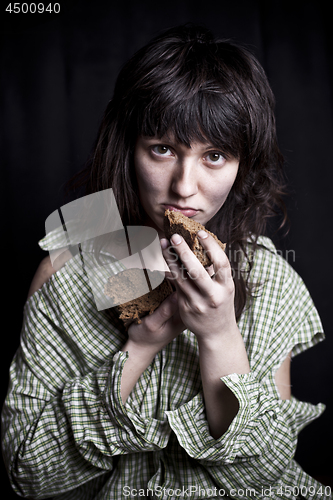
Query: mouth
x=187, y=211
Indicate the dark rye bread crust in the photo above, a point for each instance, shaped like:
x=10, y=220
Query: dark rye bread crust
x=117, y=286
x=176, y=222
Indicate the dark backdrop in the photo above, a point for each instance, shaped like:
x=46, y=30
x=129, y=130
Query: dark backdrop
x=57, y=75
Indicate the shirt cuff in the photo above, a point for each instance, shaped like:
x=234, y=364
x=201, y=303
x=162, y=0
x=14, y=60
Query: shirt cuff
x=259, y=418
x=145, y=433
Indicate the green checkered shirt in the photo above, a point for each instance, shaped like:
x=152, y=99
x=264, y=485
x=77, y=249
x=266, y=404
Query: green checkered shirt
x=67, y=434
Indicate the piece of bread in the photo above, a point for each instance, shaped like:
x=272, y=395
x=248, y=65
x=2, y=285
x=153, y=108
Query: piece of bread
x=119, y=286
x=176, y=222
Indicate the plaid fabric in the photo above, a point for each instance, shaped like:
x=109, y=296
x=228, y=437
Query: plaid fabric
x=67, y=434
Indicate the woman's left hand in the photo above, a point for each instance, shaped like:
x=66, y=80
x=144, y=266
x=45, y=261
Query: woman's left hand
x=206, y=304
x=206, y=307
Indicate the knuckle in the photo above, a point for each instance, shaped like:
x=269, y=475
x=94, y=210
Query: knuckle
x=164, y=314
x=230, y=287
x=194, y=273
x=186, y=305
x=155, y=320
x=214, y=301
x=214, y=304
x=224, y=272
x=225, y=264
x=195, y=308
x=198, y=309
x=231, y=284
x=148, y=324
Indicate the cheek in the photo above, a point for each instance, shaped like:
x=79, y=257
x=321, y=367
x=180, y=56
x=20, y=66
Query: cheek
x=230, y=178
x=145, y=182
x=221, y=187
x=141, y=173
x=149, y=180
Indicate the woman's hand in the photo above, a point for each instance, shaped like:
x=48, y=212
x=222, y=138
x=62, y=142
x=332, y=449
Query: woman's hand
x=156, y=330
x=206, y=304
x=146, y=339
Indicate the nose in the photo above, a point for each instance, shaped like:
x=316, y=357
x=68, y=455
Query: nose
x=185, y=178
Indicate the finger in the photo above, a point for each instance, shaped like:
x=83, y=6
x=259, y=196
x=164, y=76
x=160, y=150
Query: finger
x=193, y=268
x=165, y=311
x=221, y=264
x=168, y=311
x=177, y=271
x=170, y=256
x=210, y=270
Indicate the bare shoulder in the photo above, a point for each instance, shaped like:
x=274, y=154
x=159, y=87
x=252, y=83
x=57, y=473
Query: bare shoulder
x=282, y=378
x=45, y=271
x=42, y=275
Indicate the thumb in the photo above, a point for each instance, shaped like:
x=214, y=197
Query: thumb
x=167, y=308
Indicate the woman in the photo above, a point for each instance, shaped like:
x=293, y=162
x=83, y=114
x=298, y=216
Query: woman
x=195, y=401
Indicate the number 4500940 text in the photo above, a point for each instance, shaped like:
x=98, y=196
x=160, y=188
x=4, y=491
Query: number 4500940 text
x=32, y=8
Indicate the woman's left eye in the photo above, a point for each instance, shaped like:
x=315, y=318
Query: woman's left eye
x=160, y=149
x=215, y=157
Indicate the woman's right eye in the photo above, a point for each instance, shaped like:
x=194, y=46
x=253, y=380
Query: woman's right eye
x=161, y=150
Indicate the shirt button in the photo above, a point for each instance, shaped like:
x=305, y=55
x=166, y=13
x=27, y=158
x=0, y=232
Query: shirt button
x=234, y=377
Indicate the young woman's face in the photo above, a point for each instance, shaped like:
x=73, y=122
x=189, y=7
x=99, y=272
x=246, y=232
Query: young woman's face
x=195, y=180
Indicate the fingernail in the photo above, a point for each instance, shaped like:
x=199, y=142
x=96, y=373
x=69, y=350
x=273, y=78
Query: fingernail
x=202, y=234
x=164, y=243
x=174, y=297
x=176, y=239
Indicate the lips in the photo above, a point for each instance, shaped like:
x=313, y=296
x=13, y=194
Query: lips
x=187, y=211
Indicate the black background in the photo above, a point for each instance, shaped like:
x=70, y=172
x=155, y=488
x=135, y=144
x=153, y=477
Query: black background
x=57, y=75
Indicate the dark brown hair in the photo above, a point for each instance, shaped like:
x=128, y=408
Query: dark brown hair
x=186, y=82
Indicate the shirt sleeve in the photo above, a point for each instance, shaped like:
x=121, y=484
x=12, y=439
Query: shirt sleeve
x=259, y=445
x=62, y=427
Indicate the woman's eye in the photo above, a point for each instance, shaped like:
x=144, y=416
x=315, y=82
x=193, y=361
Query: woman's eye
x=161, y=150
x=215, y=157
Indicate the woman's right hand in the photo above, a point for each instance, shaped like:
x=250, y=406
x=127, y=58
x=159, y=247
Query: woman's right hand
x=146, y=339
x=156, y=330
